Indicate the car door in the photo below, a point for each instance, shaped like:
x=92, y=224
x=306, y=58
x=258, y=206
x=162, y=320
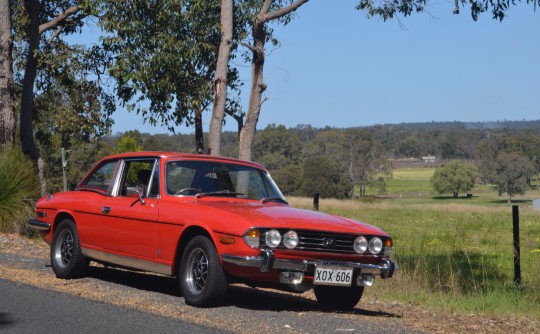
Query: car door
x=130, y=214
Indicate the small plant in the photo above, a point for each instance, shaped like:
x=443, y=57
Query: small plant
x=19, y=188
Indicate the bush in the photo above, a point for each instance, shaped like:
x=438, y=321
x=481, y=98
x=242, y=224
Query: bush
x=19, y=188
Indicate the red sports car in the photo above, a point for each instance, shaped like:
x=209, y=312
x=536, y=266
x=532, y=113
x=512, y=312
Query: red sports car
x=209, y=221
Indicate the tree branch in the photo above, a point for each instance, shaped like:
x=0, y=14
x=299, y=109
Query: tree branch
x=283, y=11
x=59, y=20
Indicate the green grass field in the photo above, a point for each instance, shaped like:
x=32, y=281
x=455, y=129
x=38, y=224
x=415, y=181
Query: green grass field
x=454, y=254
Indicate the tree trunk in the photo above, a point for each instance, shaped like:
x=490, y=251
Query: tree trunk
x=247, y=135
x=28, y=144
x=7, y=110
x=199, y=136
x=220, y=82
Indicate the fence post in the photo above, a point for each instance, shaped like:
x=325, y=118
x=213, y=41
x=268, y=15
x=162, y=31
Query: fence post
x=517, y=258
x=316, y=202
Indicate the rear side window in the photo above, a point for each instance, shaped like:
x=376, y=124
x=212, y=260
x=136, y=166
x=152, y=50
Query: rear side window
x=102, y=177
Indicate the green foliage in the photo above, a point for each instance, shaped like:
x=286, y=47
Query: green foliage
x=19, y=188
x=165, y=53
x=388, y=9
x=127, y=143
x=289, y=179
x=322, y=175
x=276, y=147
x=455, y=178
x=510, y=172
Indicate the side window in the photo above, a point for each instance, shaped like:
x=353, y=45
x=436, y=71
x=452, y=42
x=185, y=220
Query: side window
x=139, y=176
x=102, y=177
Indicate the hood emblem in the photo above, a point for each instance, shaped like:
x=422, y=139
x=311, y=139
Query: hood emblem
x=329, y=243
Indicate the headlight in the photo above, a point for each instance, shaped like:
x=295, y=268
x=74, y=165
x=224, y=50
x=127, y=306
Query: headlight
x=290, y=239
x=375, y=245
x=251, y=237
x=360, y=244
x=273, y=238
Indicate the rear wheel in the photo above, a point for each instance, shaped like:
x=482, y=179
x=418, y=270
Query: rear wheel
x=336, y=298
x=202, y=280
x=67, y=259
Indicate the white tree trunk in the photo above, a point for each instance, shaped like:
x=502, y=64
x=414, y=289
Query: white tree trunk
x=220, y=82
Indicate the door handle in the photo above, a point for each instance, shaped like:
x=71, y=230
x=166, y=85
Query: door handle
x=106, y=209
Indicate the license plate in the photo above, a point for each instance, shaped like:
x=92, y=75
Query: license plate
x=325, y=275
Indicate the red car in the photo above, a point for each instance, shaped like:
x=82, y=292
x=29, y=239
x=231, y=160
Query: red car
x=209, y=221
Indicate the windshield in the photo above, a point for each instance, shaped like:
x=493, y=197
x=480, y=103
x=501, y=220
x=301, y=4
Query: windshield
x=206, y=178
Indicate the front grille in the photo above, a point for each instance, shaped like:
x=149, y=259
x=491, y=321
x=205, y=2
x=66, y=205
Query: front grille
x=317, y=241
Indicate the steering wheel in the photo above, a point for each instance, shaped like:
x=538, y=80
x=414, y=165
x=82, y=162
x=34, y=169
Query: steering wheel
x=185, y=190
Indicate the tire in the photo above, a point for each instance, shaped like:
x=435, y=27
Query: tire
x=202, y=280
x=67, y=259
x=340, y=299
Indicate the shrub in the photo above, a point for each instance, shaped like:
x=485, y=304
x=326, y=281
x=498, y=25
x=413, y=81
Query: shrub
x=19, y=188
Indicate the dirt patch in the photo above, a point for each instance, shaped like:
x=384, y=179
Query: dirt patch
x=247, y=310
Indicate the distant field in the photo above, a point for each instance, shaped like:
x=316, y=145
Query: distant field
x=407, y=180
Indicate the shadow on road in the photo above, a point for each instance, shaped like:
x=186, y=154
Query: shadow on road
x=6, y=320
x=239, y=296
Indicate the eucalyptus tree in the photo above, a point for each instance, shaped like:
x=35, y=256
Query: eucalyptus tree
x=262, y=13
x=166, y=55
x=7, y=109
x=64, y=77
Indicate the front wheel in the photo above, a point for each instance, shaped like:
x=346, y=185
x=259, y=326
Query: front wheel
x=337, y=298
x=202, y=280
x=67, y=259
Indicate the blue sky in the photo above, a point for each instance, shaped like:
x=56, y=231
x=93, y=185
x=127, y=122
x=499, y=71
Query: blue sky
x=335, y=67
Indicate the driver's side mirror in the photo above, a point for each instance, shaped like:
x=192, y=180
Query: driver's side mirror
x=141, y=198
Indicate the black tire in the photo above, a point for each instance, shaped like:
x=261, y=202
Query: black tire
x=202, y=280
x=67, y=259
x=336, y=298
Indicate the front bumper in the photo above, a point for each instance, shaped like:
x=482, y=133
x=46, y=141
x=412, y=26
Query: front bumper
x=38, y=225
x=266, y=261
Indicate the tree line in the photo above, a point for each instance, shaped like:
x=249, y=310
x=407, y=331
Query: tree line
x=167, y=60
x=336, y=162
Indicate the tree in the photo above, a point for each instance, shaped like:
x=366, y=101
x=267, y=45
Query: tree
x=510, y=173
x=455, y=178
x=37, y=20
x=268, y=11
x=220, y=81
x=367, y=161
x=180, y=42
x=7, y=109
x=322, y=175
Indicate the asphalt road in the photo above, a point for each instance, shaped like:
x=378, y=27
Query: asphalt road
x=26, y=309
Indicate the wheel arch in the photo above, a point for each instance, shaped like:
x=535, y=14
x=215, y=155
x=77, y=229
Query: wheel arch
x=61, y=216
x=188, y=234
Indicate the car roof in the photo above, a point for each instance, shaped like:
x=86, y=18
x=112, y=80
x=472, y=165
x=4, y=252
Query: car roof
x=179, y=155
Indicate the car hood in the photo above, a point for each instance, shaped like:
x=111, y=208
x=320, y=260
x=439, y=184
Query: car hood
x=282, y=216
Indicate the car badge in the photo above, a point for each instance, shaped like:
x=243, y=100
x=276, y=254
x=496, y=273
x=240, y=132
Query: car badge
x=329, y=243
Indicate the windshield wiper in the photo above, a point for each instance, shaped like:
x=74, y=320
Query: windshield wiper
x=274, y=199
x=219, y=193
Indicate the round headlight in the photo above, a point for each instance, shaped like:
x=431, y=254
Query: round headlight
x=375, y=245
x=290, y=239
x=273, y=238
x=360, y=244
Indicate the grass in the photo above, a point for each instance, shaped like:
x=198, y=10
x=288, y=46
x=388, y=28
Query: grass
x=19, y=188
x=454, y=254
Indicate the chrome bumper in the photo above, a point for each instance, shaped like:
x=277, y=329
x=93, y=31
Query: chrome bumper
x=36, y=224
x=266, y=261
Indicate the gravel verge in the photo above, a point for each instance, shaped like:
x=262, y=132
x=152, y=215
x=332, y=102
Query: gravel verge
x=246, y=309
